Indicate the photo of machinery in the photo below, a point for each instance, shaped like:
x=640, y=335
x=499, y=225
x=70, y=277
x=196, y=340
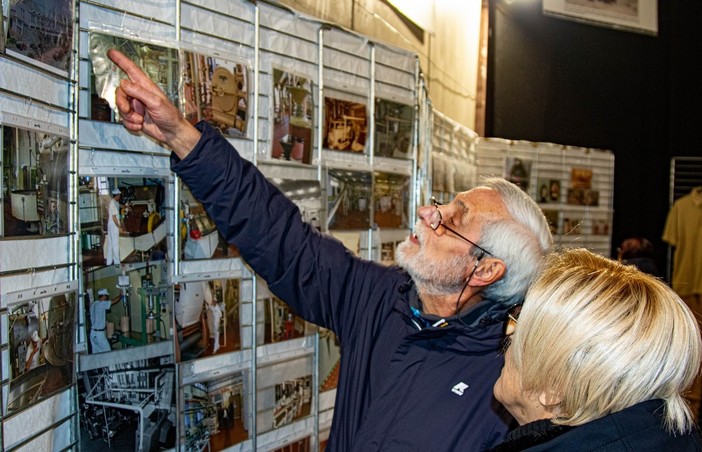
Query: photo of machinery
x=122, y=220
x=394, y=123
x=215, y=90
x=127, y=401
x=206, y=318
x=34, y=183
x=345, y=125
x=159, y=63
x=41, y=333
x=140, y=305
x=292, y=117
x=348, y=199
x=293, y=400
x=214, y=414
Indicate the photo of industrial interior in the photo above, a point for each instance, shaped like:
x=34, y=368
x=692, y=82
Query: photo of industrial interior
x=316, y=225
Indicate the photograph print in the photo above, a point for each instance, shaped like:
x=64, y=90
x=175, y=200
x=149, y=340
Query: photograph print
x=128, y=306
x=293, y=400
x=207, y=318
x=394, y=123
x=215, y=90
x=281, y=323
x=35, y=183
x=348, y=199
x=345, y=125
x=41, y=336
x=122, y=219
x=41, y=31
x=639, y=16
x=128, y=404
x=306, y=195
x=391, y=193
x=214, y=417
x=292, y=117
x=159, y=63
x=199, y=236
x=518, y=171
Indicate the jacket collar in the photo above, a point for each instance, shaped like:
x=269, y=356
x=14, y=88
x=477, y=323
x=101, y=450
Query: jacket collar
x=486, y=312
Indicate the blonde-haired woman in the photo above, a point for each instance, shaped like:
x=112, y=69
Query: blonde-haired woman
x=599, y=359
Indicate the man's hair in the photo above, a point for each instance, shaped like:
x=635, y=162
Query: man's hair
x=520, y=242
x=601, y=336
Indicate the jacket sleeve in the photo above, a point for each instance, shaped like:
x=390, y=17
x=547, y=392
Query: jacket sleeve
x=312, y=272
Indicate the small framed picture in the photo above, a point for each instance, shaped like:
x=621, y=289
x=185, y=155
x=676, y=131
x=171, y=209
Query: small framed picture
x=640, y=16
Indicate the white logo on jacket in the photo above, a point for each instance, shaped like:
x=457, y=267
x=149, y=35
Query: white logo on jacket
x=459, y=388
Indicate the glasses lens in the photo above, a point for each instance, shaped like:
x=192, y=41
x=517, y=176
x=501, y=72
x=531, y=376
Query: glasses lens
x=511, y=321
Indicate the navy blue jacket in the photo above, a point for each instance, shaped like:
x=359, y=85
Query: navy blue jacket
x=400, y=389
x=634, y=429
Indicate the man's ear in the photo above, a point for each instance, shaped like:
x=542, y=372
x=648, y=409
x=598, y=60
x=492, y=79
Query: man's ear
x=489, y=270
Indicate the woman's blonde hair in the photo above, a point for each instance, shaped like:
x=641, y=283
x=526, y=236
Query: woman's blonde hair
x=597, y=337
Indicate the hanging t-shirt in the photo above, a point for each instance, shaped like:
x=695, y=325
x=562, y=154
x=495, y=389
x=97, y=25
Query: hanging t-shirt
x=683, y=230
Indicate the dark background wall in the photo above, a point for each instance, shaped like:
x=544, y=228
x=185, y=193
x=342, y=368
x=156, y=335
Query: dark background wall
x=640, y=96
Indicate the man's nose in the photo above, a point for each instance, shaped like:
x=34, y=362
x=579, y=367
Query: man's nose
x=425, y=213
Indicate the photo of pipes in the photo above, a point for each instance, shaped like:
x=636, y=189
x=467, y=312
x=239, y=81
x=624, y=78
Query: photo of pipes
x=128, y=401
x=34, y=183
x=206, y=318
x=41, y=333
x=215, y=90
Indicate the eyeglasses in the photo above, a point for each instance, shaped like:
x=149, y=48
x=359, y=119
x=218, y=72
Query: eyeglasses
x=511, y=325
x=436, y=220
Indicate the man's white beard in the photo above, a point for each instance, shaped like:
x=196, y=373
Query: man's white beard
x=435, y=277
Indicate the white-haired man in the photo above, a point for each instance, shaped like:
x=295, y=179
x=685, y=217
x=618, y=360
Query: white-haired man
x=420, y=345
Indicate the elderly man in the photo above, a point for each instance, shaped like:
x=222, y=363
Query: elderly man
x=420, y=345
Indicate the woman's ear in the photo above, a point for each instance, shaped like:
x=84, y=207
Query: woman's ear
x=549, y=399
x=488, y=271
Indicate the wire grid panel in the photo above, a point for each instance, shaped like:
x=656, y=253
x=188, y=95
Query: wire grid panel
x=578, y=202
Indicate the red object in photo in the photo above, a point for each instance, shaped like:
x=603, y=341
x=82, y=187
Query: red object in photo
x=195, y=234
